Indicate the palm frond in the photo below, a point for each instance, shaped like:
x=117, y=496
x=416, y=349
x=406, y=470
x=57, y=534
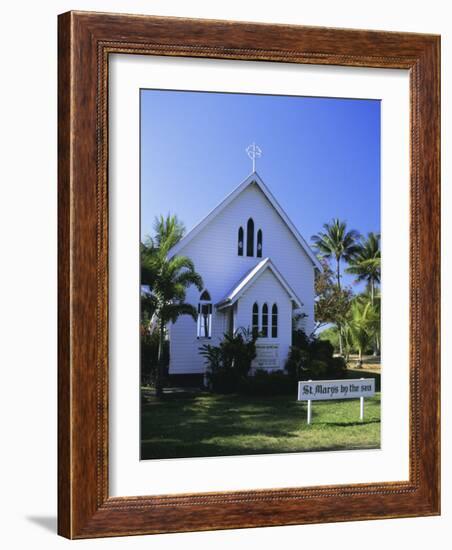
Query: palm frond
x=171, y=312
x=168, y=230
x=187, y=278
x=178, y=263
x=336, y=241
x=366, y=262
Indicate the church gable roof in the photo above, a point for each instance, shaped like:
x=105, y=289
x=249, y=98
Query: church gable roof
x=255, y=179
x=244, y=284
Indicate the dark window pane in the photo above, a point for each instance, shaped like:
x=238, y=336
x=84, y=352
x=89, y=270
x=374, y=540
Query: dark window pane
x=255, y=319
x=204, y=324
x=265, y=320
x=275, y=321
x=250, y=238
x=259, y=243
x=240, y=242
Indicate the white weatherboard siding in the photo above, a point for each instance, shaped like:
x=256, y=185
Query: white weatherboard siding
x=184, y=344
x=213, y=250
x=268, y=290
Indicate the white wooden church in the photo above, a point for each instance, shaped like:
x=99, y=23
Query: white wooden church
x=258, y=273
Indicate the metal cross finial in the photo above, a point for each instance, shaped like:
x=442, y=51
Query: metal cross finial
x=254, y=151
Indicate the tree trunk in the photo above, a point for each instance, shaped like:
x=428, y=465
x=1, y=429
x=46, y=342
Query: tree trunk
x=339, y=328
x=360, y=358
x=160, y=360
x=341, y=345
x=372, y=301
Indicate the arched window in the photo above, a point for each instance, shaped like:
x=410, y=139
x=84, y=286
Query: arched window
x=240, y=242
x=265, y=321
x=250, y=238
x=259, y=243
x=275, y=321
x=255, y=319
x=205, y=296
x=204, y=323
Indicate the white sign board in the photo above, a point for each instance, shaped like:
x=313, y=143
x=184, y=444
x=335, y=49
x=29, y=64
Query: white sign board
x=267, y=356
x=335, y=389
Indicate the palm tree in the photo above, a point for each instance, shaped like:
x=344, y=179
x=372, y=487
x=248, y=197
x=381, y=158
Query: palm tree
x=169, y=230
x=360, y=326
x=168, y=280
x=366, y=264
x=364, y=298
x=337, y=243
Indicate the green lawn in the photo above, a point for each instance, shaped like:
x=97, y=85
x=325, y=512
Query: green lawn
x=215, y=425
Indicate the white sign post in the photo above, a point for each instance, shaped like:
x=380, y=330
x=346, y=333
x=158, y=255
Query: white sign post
x=324, y=390
x=361, y=407
x=309, y=406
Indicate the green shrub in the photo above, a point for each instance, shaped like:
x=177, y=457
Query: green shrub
x=149, y=349
x=238, y=350
x=337, y=367
x=224, y=381
x=297, y=363
x=317, y=368
x=265, y=383
x=230, y=361
x=321, y=349
x=332, y=335
x=313, y=359
x=300, y=340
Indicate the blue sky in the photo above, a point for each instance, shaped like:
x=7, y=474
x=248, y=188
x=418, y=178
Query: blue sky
x=321, y=156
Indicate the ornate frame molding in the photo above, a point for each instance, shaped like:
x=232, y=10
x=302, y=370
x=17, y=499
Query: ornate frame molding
x=85, y=42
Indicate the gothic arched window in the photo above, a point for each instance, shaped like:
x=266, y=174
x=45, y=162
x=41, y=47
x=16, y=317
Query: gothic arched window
x=265, y=321
x=204, y=323
x=275, y=321
x=255, y=319
x=240, y=242
x=259, y=243
x=205, y=296
x=250, y=238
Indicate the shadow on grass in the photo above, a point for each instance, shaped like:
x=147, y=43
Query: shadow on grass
x=212, y=425
x=181, y=428
x=351, y=424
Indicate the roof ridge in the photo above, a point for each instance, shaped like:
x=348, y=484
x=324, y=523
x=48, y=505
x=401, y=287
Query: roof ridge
x=246, y=280
x=255, y=178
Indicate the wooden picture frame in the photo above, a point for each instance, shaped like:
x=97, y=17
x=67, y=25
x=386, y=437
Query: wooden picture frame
x=86, y=40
